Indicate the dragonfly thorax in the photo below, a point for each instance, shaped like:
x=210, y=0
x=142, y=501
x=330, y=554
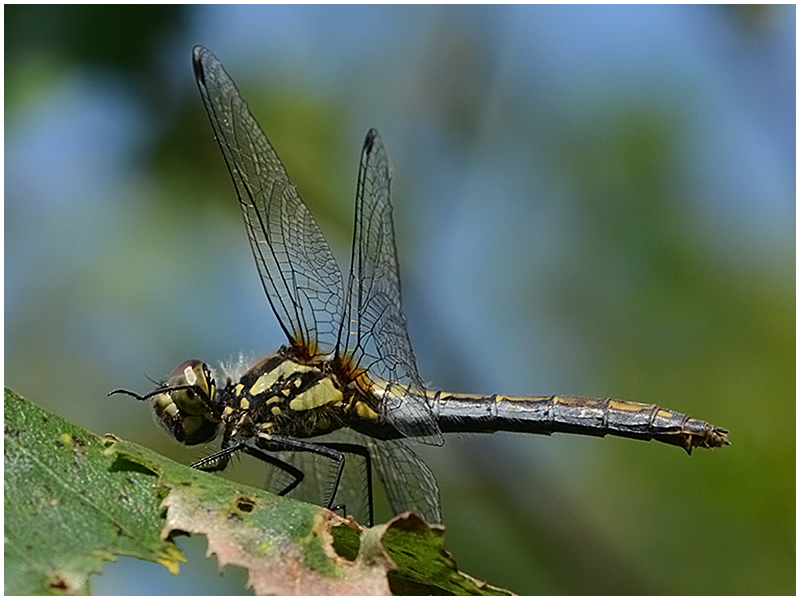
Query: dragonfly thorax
x=281, y=396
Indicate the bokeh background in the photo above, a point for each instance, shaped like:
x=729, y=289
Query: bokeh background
x=588, y=200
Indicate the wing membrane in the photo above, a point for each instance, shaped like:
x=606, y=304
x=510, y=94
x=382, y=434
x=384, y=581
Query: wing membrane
x=376, y=332
x=352, y=493
x=298, y=271
x=409, y=483
x=300, y=276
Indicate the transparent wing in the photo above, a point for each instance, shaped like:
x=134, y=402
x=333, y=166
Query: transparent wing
x=409, y=482
x=297, y=268
x=352, y=494
x=375, y=331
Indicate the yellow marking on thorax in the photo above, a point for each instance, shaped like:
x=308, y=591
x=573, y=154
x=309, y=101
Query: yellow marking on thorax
x=268, y=379
x=320, y=394
x=244, y=403
x=364, y=411
x=237, y=390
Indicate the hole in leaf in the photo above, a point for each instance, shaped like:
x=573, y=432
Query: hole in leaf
x=346, y=542
x=245, y=504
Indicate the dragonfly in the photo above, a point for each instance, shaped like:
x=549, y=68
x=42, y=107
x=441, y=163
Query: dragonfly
x=345, y=388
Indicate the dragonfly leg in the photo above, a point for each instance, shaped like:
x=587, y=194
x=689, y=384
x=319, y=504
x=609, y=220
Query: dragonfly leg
x=364, y=453
x=289, y=468
x=277, y=443
x=219, y=460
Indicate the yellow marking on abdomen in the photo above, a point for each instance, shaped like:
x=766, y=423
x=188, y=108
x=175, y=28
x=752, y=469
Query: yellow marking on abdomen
x=629, y=406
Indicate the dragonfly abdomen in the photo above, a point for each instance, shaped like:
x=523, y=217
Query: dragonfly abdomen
x=586, y=416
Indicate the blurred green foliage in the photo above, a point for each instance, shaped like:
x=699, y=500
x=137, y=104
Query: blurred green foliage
x=610, y=235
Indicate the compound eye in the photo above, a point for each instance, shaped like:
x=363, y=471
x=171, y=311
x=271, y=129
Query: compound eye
x=194, y=400
x=183, y=405
x=196, y=430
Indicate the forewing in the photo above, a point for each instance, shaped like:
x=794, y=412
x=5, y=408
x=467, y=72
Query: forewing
x=297, y=268
x=374, y=330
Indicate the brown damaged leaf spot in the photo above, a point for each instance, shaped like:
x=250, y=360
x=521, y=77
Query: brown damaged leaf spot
x=59, y=585
x=284, y=552
x=412, y=522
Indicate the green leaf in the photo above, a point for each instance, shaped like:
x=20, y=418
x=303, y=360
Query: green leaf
x=69, y=506
x=74, y=499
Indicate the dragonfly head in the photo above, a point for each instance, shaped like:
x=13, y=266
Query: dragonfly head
x=183, y=403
